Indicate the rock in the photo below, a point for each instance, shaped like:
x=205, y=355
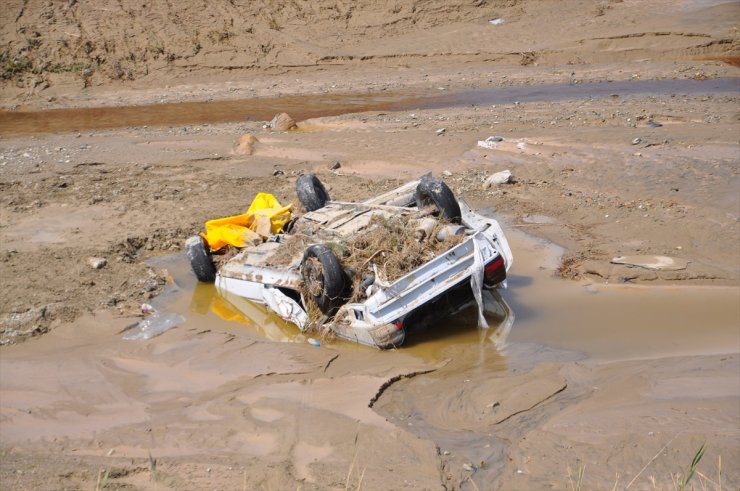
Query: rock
x=283, y=122
x=97, y=262
x=654, y=124
x=637, y=141
x=246, y=145
x=278, y=172
x=447, y=173
x=491, y=142
x=22, y=320
x=499, y=178
x=336, y=165
x=655, y=263
x=441, y=131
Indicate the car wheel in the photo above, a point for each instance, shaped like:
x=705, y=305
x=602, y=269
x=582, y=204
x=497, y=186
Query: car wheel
x=432, y=190
x=324, y=280
x=200, y=258
x=311, y=192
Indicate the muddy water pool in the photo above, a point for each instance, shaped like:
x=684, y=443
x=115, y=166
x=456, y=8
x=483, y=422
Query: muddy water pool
x=601, y=321
x=24, y=123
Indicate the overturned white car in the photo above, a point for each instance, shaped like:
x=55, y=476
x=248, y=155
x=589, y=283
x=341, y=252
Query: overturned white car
x=371, y=271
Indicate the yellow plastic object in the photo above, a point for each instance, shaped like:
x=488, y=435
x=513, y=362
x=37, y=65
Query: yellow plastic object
x=265, y=216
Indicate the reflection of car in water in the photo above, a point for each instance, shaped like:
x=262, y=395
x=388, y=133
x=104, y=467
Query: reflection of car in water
x=310, y=275
x=233, y=308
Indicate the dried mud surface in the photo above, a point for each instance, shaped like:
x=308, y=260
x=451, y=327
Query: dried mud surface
x=627, y=374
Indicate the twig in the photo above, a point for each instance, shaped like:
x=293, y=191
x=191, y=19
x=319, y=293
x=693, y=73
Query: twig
x=354, y=457
x=719, y=472
x=616, y=483
x=653, y=459
x=473, y=483
x=373, y=255
x=359, y=483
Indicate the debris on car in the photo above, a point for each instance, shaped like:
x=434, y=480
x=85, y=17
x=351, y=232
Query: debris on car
x=370, y=272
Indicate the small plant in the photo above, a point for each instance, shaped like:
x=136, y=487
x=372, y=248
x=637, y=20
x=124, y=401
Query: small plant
x=152, y=468
x=692, y=468
x=13, y=66
x=72, y=67
x=102, y=480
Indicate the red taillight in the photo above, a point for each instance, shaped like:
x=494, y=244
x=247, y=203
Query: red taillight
x=491, y=267
x=494, y=272
x=398, y=324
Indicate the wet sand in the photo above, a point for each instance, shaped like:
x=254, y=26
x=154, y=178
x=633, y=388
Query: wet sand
x=217, y=401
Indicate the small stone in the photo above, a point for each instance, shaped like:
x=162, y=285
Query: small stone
x=468, y=467
x=97, y=262
x=502, y=177
x=283, y=122
x=447, y=173
x=637, y=141
x=336, y=165
x=246, y=144
x=441, y=131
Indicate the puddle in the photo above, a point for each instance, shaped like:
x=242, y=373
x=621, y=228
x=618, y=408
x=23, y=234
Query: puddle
x=18, y=123
x=616, y=322
x=603, y=322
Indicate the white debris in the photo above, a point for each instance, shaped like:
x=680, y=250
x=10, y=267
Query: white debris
x=496, y=22
x=490, y=142
x=97, y=262
x=499, y=178
x=657, y=263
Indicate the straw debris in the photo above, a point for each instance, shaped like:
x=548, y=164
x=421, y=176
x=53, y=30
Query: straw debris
x=391, y=246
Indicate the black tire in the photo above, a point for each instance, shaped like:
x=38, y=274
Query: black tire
x=200, y=258
x=324, y=280
x=432, y=190
x=311, y=192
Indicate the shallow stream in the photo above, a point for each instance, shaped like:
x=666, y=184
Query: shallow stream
x=301, y=107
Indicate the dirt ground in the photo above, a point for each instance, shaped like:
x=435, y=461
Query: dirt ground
x=608, y=391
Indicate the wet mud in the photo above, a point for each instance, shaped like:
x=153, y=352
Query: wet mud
x=517, y=405
x=26, y=123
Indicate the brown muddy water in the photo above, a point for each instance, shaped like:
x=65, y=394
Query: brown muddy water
x=599, y=321
x=25, y=123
